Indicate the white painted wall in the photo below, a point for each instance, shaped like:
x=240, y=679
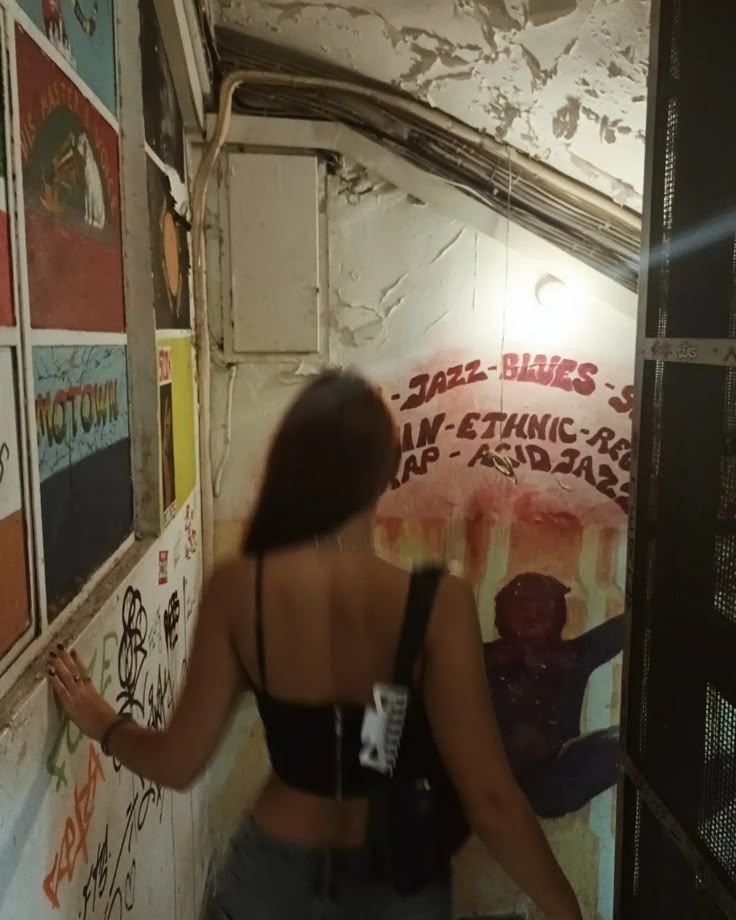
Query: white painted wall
x=78, y=840
x=561, y=80
x=403, y=282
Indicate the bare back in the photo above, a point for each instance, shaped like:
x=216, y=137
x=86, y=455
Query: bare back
x=331, y=622
x=331, y=626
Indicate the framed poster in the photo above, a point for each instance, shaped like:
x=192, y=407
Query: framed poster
x=161, y=113
x=82, y=431
x=82, y=32
x=6, y=284
x=170, y=254
x=166, y=430
x=177, y=428
x=71, y=184
x=15, y=607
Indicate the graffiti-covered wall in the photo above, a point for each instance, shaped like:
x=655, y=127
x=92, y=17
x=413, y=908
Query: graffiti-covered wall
x=514, y=421
x=80, y=837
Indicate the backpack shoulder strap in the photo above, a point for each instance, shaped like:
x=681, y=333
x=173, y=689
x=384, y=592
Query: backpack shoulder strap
x=260, y=641
x=423, y=587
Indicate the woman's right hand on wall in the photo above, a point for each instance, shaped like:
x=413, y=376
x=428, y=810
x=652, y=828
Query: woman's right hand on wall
x=79, y=699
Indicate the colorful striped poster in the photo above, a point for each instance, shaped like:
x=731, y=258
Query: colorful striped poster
x=82, y=32
x=15, y=606
x=82, y=431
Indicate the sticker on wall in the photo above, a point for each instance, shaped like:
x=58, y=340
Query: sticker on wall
x=169, y=253
x=163, y=566
x=82, y=32
x=6, y=289
x=176, y=401
x=71, y=183
x=82, y=430
x=15, y=607
x=162, y=116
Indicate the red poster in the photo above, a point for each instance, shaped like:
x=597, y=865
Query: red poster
x=6, y=291
x=71, y=182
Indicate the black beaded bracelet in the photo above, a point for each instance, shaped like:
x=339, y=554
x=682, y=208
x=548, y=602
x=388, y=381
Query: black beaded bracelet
x=105, y=743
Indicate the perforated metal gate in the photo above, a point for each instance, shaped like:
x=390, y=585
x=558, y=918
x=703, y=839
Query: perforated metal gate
x=677, y=802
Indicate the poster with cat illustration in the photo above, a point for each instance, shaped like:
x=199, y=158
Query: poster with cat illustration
x=71, y=182
x=169, y=254
x=83, y=33
x=162, y=116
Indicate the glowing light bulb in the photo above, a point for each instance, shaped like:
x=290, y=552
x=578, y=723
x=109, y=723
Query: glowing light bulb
x=551, y=293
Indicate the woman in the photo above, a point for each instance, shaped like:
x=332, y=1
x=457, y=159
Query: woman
x=308, y=617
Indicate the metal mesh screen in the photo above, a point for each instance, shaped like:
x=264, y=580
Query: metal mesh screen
x=677, y=828
x=663, y=883
x=717, y=825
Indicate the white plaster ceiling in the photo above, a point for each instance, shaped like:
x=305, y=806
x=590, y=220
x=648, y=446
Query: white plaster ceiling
x=561, y=80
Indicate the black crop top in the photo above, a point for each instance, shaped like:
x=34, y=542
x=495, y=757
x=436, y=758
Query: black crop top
x=312, y=748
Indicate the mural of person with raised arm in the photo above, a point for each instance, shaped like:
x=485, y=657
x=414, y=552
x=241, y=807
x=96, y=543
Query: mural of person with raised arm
x=538, y=682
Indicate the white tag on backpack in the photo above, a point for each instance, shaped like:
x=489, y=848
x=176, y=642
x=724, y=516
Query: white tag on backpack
x=383, y=724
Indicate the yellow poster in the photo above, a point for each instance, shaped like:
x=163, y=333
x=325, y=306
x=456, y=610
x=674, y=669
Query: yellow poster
x=178, y=448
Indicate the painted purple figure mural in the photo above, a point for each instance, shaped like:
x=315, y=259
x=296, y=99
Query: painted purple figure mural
x=538, y=682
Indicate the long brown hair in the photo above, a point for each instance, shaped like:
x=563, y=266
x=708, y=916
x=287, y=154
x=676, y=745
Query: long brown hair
x=334, y=454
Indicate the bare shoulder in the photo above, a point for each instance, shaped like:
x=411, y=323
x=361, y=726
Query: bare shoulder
x=389, y=583
x=455, y=610
x=231, y=571
x=454, y=589
x=230, y=584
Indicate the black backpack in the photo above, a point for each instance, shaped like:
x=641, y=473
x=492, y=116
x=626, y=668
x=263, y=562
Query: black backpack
x=416, y=823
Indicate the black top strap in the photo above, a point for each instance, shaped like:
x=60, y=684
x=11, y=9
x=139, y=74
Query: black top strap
x=260, y=644
x=423, y=587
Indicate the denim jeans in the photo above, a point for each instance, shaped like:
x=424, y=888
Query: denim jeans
x=266, y=879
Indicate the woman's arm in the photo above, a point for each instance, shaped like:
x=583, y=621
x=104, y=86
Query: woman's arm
x=460, y=712
x=214, y=678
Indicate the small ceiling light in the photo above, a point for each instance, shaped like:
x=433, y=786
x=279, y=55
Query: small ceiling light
x=551, y=292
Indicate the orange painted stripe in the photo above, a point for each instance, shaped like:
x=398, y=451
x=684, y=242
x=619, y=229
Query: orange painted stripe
x=14, y=608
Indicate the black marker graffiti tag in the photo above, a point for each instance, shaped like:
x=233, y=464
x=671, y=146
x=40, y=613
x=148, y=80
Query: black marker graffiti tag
x=128, y=884
x=171, y=621
x=160, y=699
x=132, y=653
x=94, y=887
x=190, y=546
x=123, y=898
x=4, y=457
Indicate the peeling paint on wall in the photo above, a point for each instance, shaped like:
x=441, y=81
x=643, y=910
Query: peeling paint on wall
x=509, y=67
